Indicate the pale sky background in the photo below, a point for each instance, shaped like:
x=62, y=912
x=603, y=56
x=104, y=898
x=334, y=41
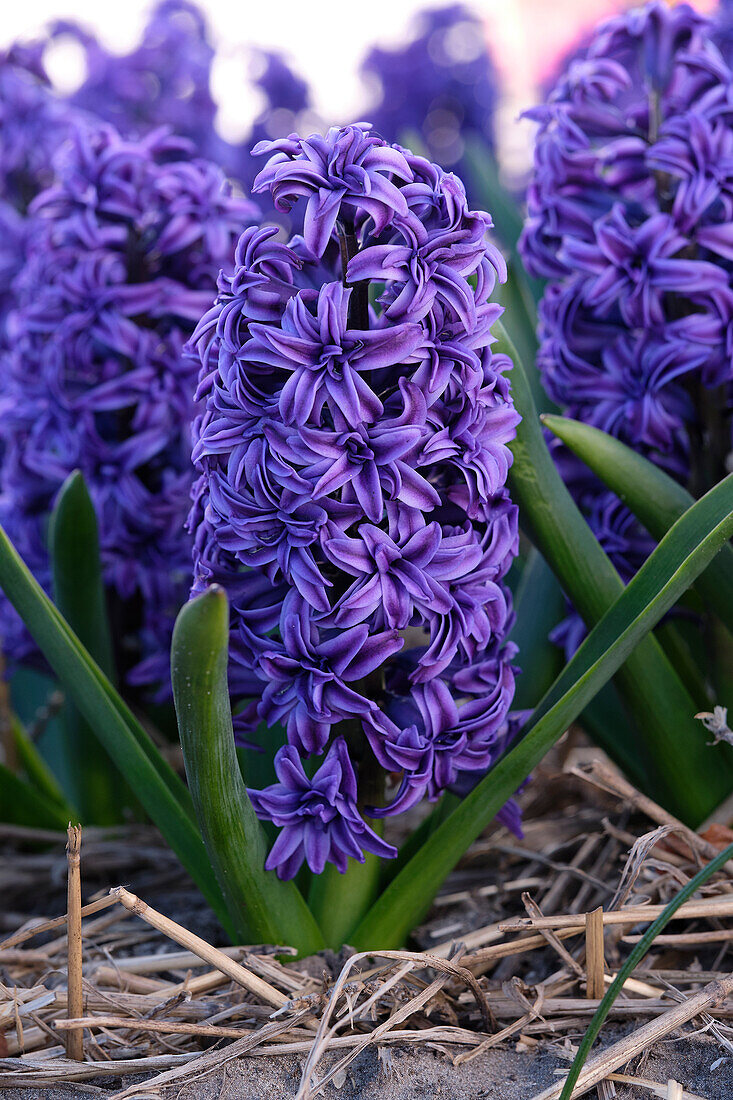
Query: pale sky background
x=325, y=39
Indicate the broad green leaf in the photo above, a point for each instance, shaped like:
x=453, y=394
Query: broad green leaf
x=608, y=723
x=539, y=605
x=262, y=908
x=680, y=557
x=73, y=538
x=652, y=495
x=651, y=690
x=22, y=804
x=129, y=746
x=635, y=957
x=78, y=589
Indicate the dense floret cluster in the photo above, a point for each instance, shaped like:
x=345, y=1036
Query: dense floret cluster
x=631, y=221
x=352, y=495
x=122, y=259
x=440, y=89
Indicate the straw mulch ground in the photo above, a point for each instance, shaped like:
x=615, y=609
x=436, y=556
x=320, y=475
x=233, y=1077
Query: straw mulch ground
x=490, y=1003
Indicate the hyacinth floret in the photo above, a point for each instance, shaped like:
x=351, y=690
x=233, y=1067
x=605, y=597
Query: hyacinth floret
x=122, y=259
x=353, y=454
x=318, y=818
x=630, y=219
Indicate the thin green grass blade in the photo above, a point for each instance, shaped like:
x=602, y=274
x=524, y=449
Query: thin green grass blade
x=262, y=908
x=106, y=714
x=22, y=804
x=78, y=589
x=680, y=557
x=637, y=954
x=652, y=495
x=647, y=683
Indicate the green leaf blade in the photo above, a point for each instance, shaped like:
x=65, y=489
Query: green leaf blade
x=99, y=704
x=651, y=690
x=23, y=804
x=654, y=497
x=93, y=783
x=264, y=909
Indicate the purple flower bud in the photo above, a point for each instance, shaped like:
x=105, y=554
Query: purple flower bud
x=348, y=170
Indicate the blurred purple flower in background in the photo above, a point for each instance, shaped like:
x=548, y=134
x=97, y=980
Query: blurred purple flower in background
x=33, y=123
x=631, y=220
x=353, y=458
x=723, y=32
x=440, y=91
x=165, y=80
x=123, y=252
x=105, y=276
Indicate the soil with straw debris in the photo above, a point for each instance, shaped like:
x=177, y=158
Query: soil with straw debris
x=490, y=1002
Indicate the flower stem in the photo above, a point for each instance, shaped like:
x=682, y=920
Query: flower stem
x=359, y=304
x=339, y=902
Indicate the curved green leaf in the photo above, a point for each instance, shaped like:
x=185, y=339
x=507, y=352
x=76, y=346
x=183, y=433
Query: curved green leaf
x=129, y=746
x=680, y=557
x=262, y=908
x=539, y=606
x=653, y=496
x=73, y=538
x=649, y=687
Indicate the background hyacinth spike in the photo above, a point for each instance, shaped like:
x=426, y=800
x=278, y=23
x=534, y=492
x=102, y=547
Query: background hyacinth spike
x=629, y=214
x=121, y=256
x=353, y=457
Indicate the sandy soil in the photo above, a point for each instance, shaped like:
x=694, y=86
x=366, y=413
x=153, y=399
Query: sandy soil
x=411, y=1074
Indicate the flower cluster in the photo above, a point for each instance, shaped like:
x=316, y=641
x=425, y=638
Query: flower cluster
x=352, y=494
x=631, y=221
x=441, y=87
x=122, y=259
